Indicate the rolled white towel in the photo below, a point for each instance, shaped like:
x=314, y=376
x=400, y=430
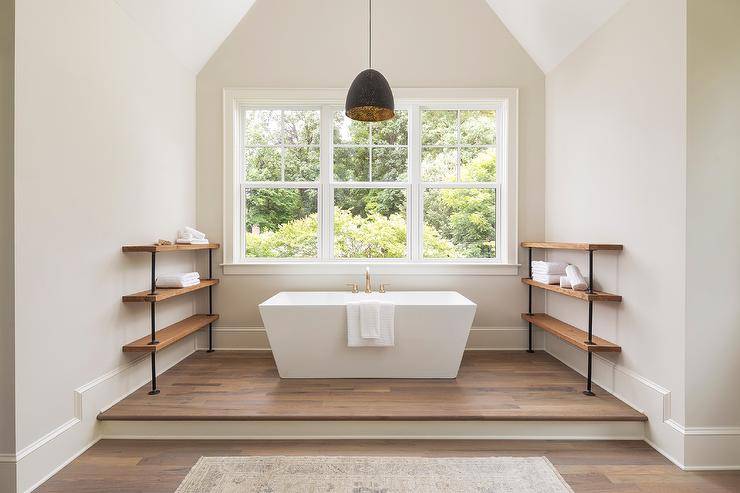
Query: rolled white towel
x=542, y=267
x=193, y=233
x=565, y=283
x=577, y=282
x=546, y=278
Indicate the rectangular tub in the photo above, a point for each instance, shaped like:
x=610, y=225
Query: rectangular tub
x=308, y=335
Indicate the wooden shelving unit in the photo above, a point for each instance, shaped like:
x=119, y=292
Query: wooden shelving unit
x=166, y=293
x=581, y=339
x=568, y=333
x=582, y=295
x=160, y=339
x=171, y=334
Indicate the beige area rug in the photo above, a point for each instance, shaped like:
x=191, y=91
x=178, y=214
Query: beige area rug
x=373, y=475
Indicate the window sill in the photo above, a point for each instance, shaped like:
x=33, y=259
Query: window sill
x=354, y=268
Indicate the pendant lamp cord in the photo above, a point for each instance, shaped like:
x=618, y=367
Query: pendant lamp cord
x=370, y=30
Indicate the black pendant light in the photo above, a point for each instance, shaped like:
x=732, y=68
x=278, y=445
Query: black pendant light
x=370, y=98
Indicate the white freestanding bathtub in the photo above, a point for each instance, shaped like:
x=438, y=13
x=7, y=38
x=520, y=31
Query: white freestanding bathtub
x=308, y=335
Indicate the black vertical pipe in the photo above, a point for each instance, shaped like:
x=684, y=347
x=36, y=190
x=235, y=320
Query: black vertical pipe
x=154, y=269
x=588, y=390
x=529, y=324
x=590, y=271
x=590, y=322
x=210, y=300
x=154, y=390
x=153, y=324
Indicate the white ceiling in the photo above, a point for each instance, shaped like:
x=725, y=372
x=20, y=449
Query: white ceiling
x=550, y=30
x=191, y=29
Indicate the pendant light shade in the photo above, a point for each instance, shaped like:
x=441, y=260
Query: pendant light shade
x=369, y=98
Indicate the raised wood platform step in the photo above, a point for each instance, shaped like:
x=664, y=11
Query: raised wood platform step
x=162, y=294
x=553, y=245
x=582, y=295
x=168, y=248
x=230, y=386
x=172, y=334
x=570, y=334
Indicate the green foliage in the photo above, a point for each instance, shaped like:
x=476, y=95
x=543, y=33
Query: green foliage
x=371, y=223
x=374, y=236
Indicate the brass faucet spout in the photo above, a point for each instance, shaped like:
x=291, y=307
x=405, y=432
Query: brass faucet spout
x=368, y=288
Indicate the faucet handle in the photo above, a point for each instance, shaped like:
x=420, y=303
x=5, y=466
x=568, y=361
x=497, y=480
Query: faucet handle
x=355, y=287
x=382, y=287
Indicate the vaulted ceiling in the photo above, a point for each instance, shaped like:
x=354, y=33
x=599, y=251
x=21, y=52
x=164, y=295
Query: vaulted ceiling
x=192, y=30
x=549, y=30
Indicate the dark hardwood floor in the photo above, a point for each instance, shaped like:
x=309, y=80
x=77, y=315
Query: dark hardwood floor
x=491, y=385
x=118, y=466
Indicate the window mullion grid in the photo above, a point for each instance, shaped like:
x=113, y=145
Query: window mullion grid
x=459, y=150
x=326, y=170
x=415, y=196
x=282, y=145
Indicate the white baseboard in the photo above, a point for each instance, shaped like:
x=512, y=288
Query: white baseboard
x=343, y=430
x=43, y=458
x=690, y=448
x=227, y=338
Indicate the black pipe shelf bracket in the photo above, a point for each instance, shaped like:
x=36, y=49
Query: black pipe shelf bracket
x=182, y=329
x=560, y=329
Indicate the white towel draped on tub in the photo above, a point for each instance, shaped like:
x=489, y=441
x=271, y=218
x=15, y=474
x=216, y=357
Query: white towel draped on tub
x=370, y=323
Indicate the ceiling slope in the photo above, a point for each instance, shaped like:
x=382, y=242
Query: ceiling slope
x=550, y=30
x=192, y=30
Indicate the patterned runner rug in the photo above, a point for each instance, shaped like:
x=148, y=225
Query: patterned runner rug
x=275, y=474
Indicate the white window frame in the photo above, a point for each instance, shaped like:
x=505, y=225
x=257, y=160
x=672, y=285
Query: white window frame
x=414, y=100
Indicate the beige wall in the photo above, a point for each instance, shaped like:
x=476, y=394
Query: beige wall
x=616, y=166
x=323, y=43
x=105, y=156
x=7, y=395
x=713, y=214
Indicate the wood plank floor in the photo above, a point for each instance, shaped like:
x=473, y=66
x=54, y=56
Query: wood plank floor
x=133, y=466
x=491, y=385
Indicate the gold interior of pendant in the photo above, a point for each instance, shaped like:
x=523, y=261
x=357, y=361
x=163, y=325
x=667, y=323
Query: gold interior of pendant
x=370, y=113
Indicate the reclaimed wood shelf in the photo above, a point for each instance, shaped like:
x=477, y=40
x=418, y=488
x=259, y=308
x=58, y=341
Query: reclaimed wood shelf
x=161, y=294
x=554, y=245
x=160, y=339
x=168, y=248
x=570, y=334
x=171, y=334
x=581, y=339
x=582, y=295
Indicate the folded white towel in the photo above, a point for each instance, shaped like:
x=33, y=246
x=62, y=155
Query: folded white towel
x=192, y=241
x=182, y=280
x=577, y=282
x=565, y=283
x=177, y=283
x=189, y=232
x=386, y=326
x=546, y=278
x=179, y=276
x=542, y=267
